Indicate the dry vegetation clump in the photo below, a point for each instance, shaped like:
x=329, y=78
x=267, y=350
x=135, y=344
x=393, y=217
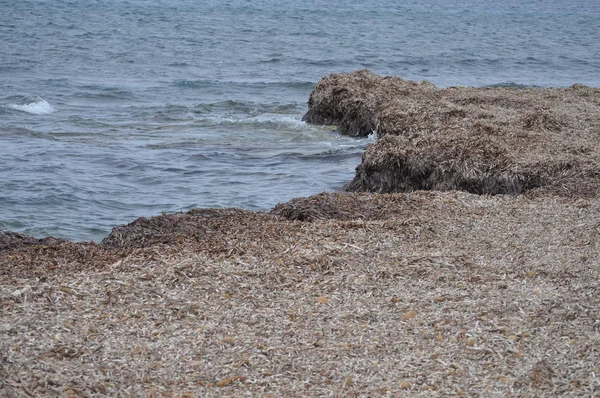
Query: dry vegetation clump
x=195, y=226
x=436, y=294
x=13, y=240
x=352, y=101
x=345, y=207
x=480, y=140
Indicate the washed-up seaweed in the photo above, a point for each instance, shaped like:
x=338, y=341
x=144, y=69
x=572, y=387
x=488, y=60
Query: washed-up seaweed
x=495, y=140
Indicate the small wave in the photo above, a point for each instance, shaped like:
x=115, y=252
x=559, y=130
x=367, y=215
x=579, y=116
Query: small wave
x=274, y=118
x=204, y=111
x=195, y=84
x=264, y=120
x=23, y=131
x=332, y=154
x=178, y=64
x=270, y=61
x=298, y=85
x=510, y=85
x=99, y=92
x=39, y=107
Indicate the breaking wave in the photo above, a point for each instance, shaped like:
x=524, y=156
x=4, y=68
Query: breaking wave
x=38, y=107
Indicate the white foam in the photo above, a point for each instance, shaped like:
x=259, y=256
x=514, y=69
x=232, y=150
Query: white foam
x=256, y=120
x=40, y=107
x=290, y=121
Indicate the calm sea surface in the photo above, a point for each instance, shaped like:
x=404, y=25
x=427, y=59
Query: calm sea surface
x=111, y=110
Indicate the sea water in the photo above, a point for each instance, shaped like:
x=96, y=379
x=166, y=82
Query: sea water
x=114, y=109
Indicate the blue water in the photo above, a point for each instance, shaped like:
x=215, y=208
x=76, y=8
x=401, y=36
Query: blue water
x=111, y=110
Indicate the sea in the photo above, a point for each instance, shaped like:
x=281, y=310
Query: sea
x=115, y=109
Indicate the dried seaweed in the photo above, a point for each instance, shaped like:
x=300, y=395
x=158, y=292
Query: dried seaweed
x=419, y=294
x=14, y=240
x=480, y=140
x=194, y=226
x=347, y=207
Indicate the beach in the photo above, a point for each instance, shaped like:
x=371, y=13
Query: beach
x=445, y=272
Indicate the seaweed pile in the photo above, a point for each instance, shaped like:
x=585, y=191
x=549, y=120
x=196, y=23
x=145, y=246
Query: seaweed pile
x=217, y=232
x=343, y=207
x=494, y=140
x=15, y=240
x=380, y=294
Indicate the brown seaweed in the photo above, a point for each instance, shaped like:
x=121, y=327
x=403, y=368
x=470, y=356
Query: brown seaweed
x=480, y=140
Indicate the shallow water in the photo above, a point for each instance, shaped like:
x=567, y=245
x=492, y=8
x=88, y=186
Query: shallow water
x=111, y=110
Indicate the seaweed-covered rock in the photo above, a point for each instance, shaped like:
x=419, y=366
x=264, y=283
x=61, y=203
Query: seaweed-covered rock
x=482, y=140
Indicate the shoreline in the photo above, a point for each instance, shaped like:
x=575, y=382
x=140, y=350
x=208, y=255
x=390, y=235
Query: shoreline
x=403, y=293
x=488, y=140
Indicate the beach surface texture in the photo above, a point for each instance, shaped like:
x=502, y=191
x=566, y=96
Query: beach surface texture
x=465, y=260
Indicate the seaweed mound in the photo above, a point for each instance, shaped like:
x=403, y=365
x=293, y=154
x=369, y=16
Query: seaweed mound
x=348, y=207
x=198, y=226
x=353, y=101
x=219, y=232
x=493, y=140
x=14, y=241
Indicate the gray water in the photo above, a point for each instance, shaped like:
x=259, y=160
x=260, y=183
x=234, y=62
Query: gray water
x=111, y=110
